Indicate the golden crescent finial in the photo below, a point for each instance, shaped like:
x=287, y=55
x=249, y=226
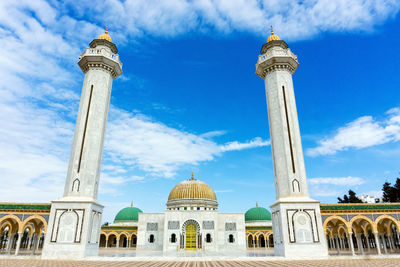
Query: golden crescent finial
x=106, y=32
x=272, y=30
x=192, y=176
x=257, y=204
x=131, y=203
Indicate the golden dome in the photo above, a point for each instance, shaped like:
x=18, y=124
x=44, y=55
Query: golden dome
x=272, y=37
x=105, y=35
x=192, y=189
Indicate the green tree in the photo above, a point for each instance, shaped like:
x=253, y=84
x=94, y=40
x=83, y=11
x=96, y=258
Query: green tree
x=391, y=193
x=387, y=195
x=351, y=198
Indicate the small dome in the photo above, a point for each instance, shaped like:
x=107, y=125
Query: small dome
x=257, y=214
x=192, y=189
x=272, y=37
x=105, y=35
x=128, y=214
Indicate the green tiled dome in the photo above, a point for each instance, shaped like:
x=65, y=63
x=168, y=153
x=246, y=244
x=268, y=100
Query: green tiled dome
x=128, y=214
x=257, y=214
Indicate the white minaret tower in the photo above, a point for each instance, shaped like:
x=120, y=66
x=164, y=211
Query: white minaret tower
x=75, y=219
x=296, y=217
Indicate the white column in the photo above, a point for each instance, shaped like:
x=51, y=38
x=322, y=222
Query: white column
x=359, y=243
x=382, y=238
x=18, y=243
x=38, y=241
x=350, y=238
x=378, y=243
x=10, y=242
x=35, y=241
x=29, y=242
x=337, y=244
x=392, y=246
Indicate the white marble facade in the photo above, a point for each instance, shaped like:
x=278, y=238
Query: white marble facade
x=215, y=231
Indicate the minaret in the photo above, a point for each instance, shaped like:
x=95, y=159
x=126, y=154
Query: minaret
x=75, y=219
x=296, y=217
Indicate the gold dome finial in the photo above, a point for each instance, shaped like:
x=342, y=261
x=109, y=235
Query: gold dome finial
x=105, y=35
x=131, y=203
x=192, y=176
x=272, y=37
x=257, y=202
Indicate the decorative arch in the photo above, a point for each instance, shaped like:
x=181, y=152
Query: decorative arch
x=123, y=233
x=30, y=228
x=330, y=218
x=132, y=235
x=361, y=217
x=190, y=222
x=14, y=220
x=35, y=217
x=383, y=217
x=112, y=233
x=4, y=225
x=341, y=229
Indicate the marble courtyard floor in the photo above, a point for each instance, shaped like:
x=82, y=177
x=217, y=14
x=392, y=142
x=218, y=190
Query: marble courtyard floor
x=196, y=263
x=249, y=258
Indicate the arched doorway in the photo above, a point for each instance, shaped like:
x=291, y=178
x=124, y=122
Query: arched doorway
x=191, y=234
x=123, y=241
x=133, y=241
x=262, y=241
x=250, y=241
x=112, y=241
x=103, y=240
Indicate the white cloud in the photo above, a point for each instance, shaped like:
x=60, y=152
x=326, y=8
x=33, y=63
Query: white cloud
x=136, y=140
x=333, y=186
x=339, y=181
x=38, y=109
x=360, y=133
x=256, y=142
x=291, y=19
x=224, y=191
x=41, y=41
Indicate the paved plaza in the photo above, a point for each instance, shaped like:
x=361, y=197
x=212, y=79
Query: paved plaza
x=184, y=263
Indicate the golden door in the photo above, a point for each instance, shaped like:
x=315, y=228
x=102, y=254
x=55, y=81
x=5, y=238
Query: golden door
x=191, y=237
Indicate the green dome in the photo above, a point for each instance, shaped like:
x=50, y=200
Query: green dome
x=128, y=214
x=257, y=214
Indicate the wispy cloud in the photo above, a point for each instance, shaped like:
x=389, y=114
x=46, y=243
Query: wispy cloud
x=292, y=19
x=333, y=186
x=361, y=133
x=137, y=140
x=41, y=41
x=224, y=191
x=341, y=181
x=234, y=146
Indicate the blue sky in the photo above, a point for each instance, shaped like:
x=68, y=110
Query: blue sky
x=189, y=99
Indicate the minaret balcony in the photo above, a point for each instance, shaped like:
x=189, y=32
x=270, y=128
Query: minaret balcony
x=100, y=57
x=274, y=58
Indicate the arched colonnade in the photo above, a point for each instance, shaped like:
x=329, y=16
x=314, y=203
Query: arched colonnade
x=259, y=240
x=118, y=240
x=21, y=234
x=363, y=235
